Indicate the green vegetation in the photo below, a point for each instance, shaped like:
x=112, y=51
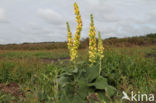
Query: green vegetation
x=36, y=72
x=49, y=73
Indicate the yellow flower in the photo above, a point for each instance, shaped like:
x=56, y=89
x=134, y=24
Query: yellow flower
x=100, y=51
x=70, y=41
x=73, y=44
x=100, y=46
x=92, y=42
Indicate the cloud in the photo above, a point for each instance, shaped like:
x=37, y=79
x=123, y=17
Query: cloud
x=123, y=18
x=152, y=17
x=50, y=16
x=3, y=18
x=120, y=18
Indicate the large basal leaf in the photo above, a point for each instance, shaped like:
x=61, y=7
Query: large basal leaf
x=100, y=83
x=92, y=73
x=83, y=89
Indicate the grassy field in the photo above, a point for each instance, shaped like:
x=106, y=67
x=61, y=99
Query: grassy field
x=46, y=73
x=30, y=76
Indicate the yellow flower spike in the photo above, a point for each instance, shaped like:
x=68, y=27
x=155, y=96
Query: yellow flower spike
x=73, y=43
x=100, y=46
x=92, y=42
x=70, y=41
x=100, y=51
x=76, y=39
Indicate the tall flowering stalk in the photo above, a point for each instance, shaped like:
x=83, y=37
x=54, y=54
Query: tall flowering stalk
x=76, y=41
x=92, y=42
x=70, y=41
x=100, y=50
x=73, y=44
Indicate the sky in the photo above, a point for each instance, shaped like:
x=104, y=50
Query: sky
x=45, y=20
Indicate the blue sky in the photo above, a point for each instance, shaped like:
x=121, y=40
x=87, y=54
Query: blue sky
x=44, y=20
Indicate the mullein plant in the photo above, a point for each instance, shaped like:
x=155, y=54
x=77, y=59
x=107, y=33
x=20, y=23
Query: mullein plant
x=92, y=42
x=77, y=82
x=93, y=52
x=73, y=43
x=100, y=51
x=70, y=41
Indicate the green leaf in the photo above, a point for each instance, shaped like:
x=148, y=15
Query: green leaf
x=67, y=92
x=83, y=89
x=92, y=73
x=66, y=74
x=75, y=70
x=100, y=83
x=110, y=91
x=64, y=99
x=103, y=96
x=63, y=81
x=78, y=99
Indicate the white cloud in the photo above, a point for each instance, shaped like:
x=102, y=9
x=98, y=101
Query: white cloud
x=123, y=18
x=152, y=17
x=120, y=18
x=3, y=17
x=50, y=16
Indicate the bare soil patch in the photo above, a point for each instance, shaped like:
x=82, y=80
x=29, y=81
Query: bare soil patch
x=12, y=88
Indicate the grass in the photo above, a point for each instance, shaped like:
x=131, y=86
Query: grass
x=42, y=72
x=59, y=53
x=125, y=68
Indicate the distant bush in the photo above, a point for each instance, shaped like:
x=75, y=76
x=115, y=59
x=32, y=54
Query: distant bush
x=152, y=35
x=149, y=39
